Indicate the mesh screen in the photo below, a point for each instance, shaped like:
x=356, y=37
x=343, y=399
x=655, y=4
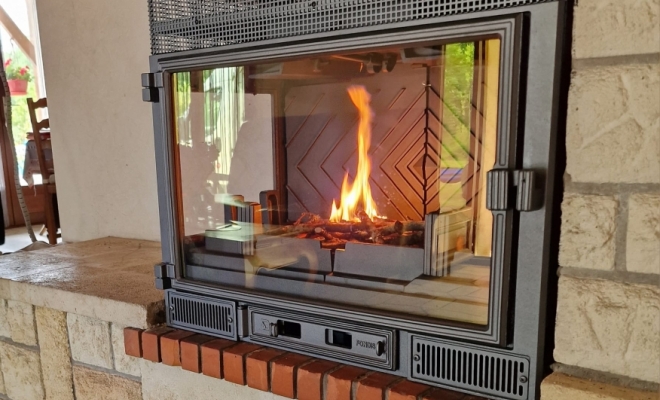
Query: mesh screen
x=179, y=25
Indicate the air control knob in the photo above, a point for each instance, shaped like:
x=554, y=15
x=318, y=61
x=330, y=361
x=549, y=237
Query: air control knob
x=380, y=348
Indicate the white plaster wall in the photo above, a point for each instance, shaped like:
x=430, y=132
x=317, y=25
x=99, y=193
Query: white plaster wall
x=94, y=52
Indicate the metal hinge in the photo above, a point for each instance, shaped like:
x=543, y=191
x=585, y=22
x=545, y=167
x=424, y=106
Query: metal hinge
x=151, y=82
x=164, y=274
x=500, y=185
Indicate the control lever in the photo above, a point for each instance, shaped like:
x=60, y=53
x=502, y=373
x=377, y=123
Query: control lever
x=380, y=348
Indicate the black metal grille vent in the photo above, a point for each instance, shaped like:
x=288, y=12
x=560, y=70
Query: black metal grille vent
x=471, y=369
x=179, y=25
x=215, y=317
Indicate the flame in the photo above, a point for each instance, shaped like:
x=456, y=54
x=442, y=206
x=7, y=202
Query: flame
x=358, y=193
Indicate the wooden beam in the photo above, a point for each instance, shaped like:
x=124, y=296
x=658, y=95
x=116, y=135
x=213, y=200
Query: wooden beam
x=14, y=31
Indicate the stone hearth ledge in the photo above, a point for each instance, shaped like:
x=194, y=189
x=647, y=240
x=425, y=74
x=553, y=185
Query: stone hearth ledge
x=110, y=279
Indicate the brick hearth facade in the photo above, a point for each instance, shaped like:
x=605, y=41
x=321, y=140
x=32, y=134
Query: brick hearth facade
x=289, y=375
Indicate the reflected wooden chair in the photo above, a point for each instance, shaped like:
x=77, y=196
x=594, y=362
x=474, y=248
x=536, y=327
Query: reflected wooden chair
x=47, y=172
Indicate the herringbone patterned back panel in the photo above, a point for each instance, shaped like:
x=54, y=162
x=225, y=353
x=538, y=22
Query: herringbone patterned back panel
x=321, y=129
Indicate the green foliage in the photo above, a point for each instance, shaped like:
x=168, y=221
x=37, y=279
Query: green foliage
x=459, y=59
x=458, y=81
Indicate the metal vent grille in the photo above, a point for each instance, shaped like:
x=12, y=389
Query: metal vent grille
x=215, y=317
x=179, y=25
x=471, y=369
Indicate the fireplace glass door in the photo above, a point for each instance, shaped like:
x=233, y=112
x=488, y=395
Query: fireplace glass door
x=353, y=179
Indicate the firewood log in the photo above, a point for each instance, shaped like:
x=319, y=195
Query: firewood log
x=396, y=227
x=393, y=238
x=342, y=235
x=417, y=238
x=333, y=244
x=414, y=226
x=362, y=236
x=364, y=217
x=339, y=227
x=308, y=218
x=323, y=233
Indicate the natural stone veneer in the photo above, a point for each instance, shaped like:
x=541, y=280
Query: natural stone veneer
x=95, y=385
x=559, y=386
x=3, y=390
x=615, y=27
x=609, y=326
x=55, y=354
x=643, y=242
x=587, y=231
x=21, y=370
x=21, y=322
x=90, y=340
x=100, y=284
x=5, y=331
x=613, y=123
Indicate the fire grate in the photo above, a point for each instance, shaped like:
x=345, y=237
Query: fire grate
x=466, y=368
x=180, y=25
x=201, y=314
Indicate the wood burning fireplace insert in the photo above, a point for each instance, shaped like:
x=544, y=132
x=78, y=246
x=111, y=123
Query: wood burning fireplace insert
x=369, y=181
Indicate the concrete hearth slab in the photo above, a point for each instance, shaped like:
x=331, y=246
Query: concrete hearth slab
x=109, y=279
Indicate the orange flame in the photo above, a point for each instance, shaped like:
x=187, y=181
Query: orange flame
x=358, y=193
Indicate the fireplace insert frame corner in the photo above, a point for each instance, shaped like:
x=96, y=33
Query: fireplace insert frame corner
x=532, y=40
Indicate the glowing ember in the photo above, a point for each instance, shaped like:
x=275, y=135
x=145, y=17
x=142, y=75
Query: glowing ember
x=359, y=193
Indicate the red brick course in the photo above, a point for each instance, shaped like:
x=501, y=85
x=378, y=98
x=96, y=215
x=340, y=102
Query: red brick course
x=212, y=357
x=151, y=343
x=374, y=385
x=339, y=385
x=170, y=347
x=311, y=377
x=407, y=390
x=191, y=358
x=133, y=342
x=257, y=365
x=286, y=374
x=233, y=360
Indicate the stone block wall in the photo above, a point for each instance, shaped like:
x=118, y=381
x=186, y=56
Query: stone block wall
x=54, y=355
x=608, y=317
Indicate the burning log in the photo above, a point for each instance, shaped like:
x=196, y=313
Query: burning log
x=323, y=233
x=345, y=227
x=362, y=236
x=334, y=244
x=308, y=218
x=335, y=235
x=342, y=235
x=410, y=238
